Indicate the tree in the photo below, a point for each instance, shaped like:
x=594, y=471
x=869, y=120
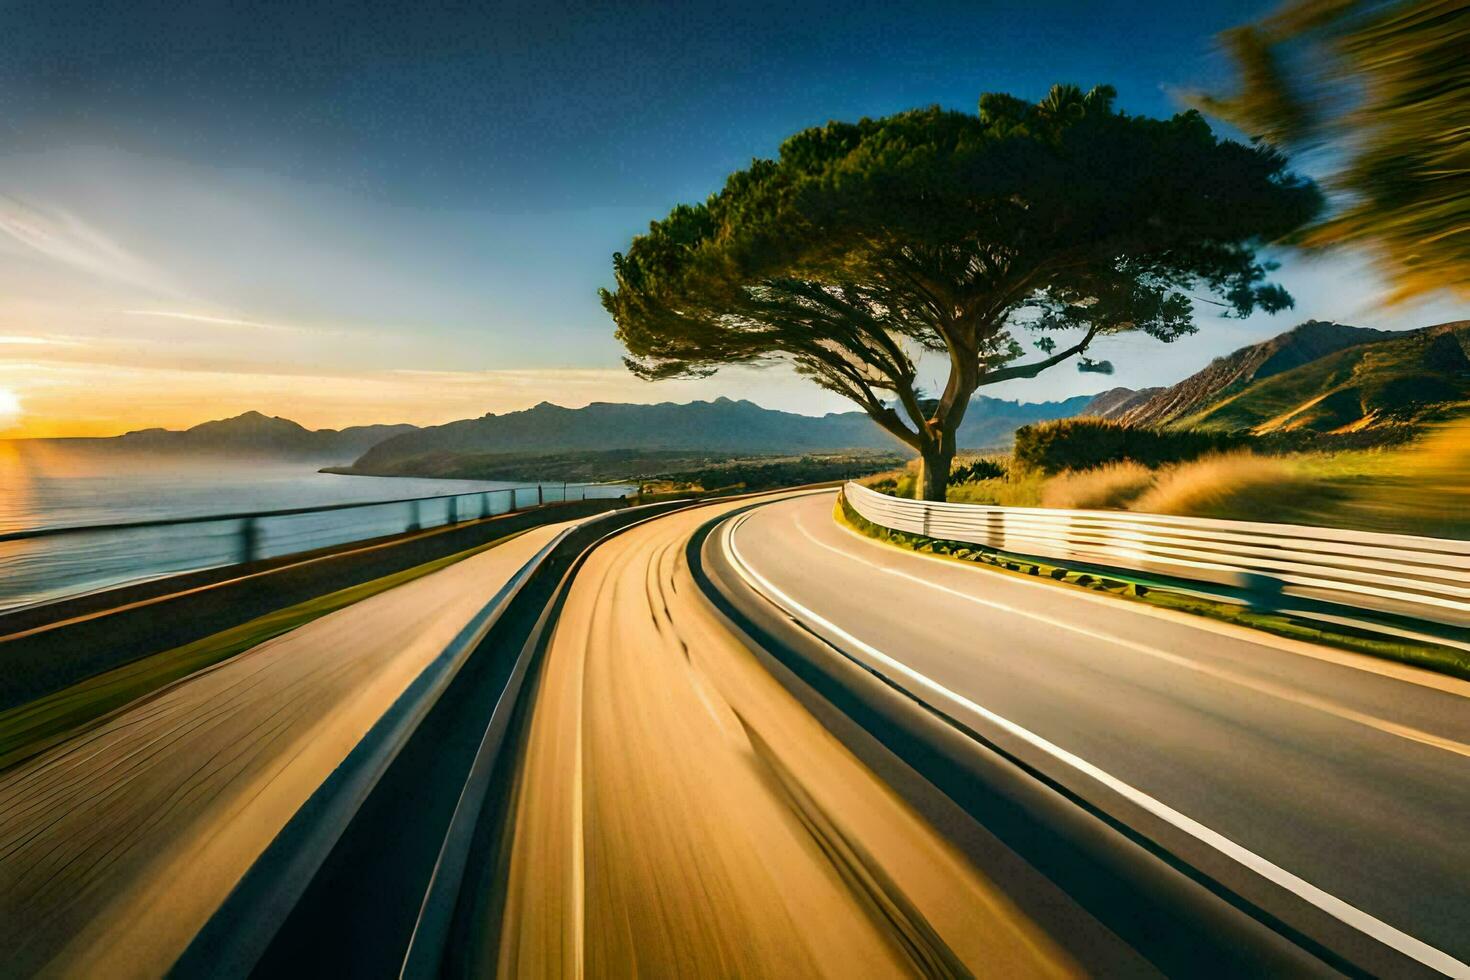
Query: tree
x=867, y=245
x=1385, y=85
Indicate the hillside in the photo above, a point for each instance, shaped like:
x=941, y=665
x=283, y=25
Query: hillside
x=1117, y=402
x=719, y=426
x=1225, y=376
x=250, y=434
x=1400, y=379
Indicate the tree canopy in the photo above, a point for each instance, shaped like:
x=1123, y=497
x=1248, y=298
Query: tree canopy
x=865, y=245
x=1385, y=86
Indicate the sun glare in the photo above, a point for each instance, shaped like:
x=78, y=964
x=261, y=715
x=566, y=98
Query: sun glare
x=9, y=408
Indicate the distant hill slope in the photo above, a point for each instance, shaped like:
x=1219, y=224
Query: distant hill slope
x=1117, y=402
x=250, y=434
x=722, y=425
x=1401, y=378
x=1230, y=374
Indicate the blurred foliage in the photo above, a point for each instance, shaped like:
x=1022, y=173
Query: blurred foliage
x=1387, y=86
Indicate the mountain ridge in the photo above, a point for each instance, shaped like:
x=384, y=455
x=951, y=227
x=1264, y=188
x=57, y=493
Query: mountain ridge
x=1302, y=344
x=721, y=425
x=1318, y=376
x=250, y=433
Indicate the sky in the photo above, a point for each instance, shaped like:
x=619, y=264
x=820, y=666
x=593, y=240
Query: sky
x=347, y=213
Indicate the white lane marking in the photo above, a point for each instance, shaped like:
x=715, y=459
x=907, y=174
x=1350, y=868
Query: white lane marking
x=1219, y=673
x=1414, y=948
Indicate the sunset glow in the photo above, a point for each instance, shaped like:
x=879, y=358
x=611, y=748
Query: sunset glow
x=9, y=409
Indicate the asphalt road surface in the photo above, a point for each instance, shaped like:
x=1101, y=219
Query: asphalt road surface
x=679, y=813
x=1342, y=779
x=117, y=844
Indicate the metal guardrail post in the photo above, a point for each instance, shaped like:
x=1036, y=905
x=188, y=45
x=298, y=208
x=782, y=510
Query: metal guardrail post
x=484, y=505
x=539, y=499
x=512, y=492
x=414, y=519
x=249, y=540
x=453, y=510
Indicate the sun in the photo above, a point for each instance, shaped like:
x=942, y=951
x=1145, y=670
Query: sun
x=9, y=408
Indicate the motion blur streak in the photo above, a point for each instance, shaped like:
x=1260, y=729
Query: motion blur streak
x=117, y=845
x=679, y=813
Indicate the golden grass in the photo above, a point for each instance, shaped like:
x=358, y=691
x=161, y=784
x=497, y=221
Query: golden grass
x=1109, y=487
x=1238, y=487
x=1215, y=485
x=1421, y=488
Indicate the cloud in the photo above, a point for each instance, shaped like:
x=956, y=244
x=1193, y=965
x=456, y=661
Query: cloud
x=79, y=398
x=68, y=240
x=220, y=320
x=23, y=341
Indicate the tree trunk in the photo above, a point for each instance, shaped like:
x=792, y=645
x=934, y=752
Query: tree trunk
x=934, y=472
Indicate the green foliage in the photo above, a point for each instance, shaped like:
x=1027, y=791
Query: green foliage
x=1083, y=443
x=982, y=468
x=865, y=244
x=698, y=469
x=1385, y=83
x=763, y=475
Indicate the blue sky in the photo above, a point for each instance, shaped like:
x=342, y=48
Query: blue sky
x=371, y=212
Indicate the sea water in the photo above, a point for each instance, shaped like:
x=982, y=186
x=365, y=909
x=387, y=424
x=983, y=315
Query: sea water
x=43, y=484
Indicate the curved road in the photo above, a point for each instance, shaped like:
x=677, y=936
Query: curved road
x=679, y=813
x=1341, y=780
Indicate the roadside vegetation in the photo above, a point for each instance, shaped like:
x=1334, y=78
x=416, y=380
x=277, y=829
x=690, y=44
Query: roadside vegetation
x=766, y=474
x=655, y=471
x=1407, y=487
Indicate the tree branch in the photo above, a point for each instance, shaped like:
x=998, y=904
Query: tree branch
x=1033, y=369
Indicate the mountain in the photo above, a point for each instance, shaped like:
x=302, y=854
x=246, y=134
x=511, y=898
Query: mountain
x=1322, y=377
x=1116, y=402
x=1230, y=374
x=719, y=426
x=251, y=434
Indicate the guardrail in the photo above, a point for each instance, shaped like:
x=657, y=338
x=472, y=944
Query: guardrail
x=48, y=563
x=1400, y=574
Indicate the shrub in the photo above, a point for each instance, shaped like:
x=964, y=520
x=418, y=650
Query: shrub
x=1113, y=486
x=1236, y=486
x=982, y=468
x=1084, y=443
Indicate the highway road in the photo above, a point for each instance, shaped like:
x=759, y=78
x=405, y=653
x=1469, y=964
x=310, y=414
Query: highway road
x=683, y=805
x=117, y=844
x=679, y=813
x=1336, y=784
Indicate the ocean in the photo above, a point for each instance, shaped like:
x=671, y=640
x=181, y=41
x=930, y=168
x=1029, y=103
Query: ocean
x=44, y=485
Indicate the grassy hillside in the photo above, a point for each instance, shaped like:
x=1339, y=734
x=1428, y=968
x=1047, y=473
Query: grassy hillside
x=1404, y=379
x=1226, y=376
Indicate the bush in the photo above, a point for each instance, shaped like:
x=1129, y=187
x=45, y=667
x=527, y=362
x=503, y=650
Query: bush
x=1085, y=443
x=983, y=468
x=1113, y=486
